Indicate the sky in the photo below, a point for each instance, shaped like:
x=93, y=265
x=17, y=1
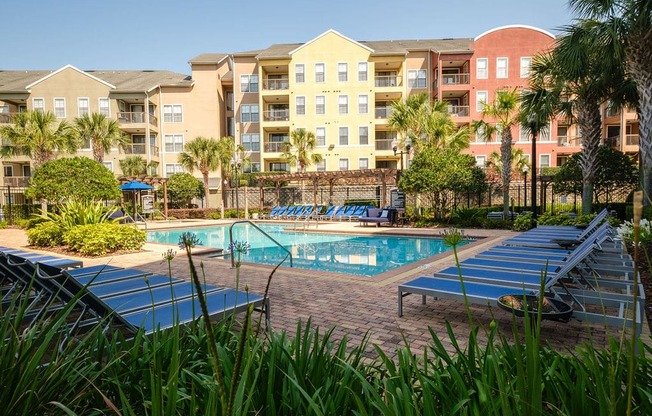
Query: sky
x=166, y=34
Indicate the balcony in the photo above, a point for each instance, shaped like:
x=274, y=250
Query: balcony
x=276, y=115
x=153, y=150
x=384, y=111
x=276, y=84
x=613, y=141
x=384, y=144
x=387, y=81
x=274, y=147
x=458, y=110
x=17, y=181
x=136, y=149
x=455, y=79
x=631, y=140
x=136, y=118
x=567, y=141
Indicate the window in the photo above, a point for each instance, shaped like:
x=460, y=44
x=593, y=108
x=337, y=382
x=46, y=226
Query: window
x=344, y=164
x=482, y=68
x=481, y=98
x=525, y=67
x=173, y=143
x=60, y=107
x=344, y=136
x=108, y=165
x=279, y=167
x=363, y=71
x=481, y=161
x=501, y=67
x=39, y=104
x=342, y=71
x=320, y=136
x=363, y=163
x=8, y=170
x=105, y=107
x=248, y=83
x=249, y=113
x=299, y=73
x=417, y=78
x=479, y=135
x=321, y=166
x=343, y=102
x=363, y=104
x=173, y=113
x=252, y=167
x=363, y=135
x=524, y=134
x=82, y=107
x=251, y=142
x=172, y=168
x=300, y=105
x=320, y=104
x=320, y=75
x=544, y=161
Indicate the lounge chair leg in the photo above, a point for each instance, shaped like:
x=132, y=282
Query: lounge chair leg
x=400, y=303
x=423, y=299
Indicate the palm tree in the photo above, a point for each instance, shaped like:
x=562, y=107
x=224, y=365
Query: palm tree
x=101, y=132
x=441, y=130
x=299, y=150
x=407, y=117
x=574, y=79
x=504, y=112
x=133, y=166
x=626, y=25
x=37, y=134
x=203, y=154
x=519, y=162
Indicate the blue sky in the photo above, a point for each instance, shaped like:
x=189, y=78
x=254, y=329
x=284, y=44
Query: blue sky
x=165, y=34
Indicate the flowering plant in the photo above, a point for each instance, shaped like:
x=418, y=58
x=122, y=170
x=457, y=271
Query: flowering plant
x=626, y=232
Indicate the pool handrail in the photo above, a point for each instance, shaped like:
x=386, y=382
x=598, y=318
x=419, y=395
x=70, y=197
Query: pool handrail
x=289, y=254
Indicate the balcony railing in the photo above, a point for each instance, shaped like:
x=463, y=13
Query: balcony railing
x=613, y=141
x=566, y=141
x=18, y=181
x=455, y=79
x=387, y=81
x=384, y=112
x=631, y=140
x=276, y=115
x=136, y=149
x=276, y=84
x=384, y=144
x=458, y=110
x=274, y=147
x=136, y=117
x=153, y=150
x=6, y=118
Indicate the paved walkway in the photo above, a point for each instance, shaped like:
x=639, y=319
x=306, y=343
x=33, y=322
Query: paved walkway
x=354, y=306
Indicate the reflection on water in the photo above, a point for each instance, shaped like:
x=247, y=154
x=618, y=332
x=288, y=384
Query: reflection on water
x=357, y=255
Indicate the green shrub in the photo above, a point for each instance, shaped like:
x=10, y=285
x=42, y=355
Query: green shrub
x=555, y=219
x=74, y=213
x=490, y=223
x=468, y=217
x=3, y=224
x=99, y=239
x=46, y=234
x=215, y=215
x=523, y=222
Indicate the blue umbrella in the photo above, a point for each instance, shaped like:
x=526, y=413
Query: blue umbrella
x=135, y=186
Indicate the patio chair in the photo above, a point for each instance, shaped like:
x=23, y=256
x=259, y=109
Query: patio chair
x=328, y=213
x=337, y=214
x=347, y=213
x=271, y=214
x=297, y=212
x=307, y=212
x=288, y=213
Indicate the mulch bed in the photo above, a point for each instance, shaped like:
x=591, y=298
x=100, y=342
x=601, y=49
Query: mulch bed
x=64, y=251
x=645, y=273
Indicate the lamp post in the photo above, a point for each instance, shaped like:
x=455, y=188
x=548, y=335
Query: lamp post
x=408, y=146
x=525, y=169
x=236, y=164
x=534, y=128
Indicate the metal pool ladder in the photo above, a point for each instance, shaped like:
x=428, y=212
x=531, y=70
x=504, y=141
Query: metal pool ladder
x=264, y=233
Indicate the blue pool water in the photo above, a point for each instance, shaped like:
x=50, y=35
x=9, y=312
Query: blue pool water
x=342, y=253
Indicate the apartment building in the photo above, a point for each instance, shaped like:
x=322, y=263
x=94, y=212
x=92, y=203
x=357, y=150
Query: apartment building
x=340, y=89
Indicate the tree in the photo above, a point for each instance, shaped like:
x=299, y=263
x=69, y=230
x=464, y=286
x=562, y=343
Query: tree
x=580, y=73
x=202, y=154
x=101, y=132
x=519, y=162
x=407, y=115
x=183, y=187
x=38, y=135
x=439, y=174
x=77, y=178
x=616, y=172
x=504, y=112
x=133, y=166
x=626, y=26
x=299, y=150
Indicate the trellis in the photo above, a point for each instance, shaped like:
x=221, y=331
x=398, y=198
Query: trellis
x=153, y=181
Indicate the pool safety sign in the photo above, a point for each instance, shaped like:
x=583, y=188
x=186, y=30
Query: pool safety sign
x=148, y=204
x=397, y=198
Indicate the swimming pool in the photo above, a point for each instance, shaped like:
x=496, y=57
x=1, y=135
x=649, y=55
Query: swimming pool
x=359, y=255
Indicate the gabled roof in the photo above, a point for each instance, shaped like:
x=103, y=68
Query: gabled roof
x=328, y=32
x=118, y=81
x=209, y=58
x=63, y=69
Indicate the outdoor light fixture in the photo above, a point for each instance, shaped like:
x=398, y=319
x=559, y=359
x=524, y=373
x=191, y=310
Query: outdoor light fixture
x=525, y=169
x=408, y=146
x=533, y=124
x=236, y=164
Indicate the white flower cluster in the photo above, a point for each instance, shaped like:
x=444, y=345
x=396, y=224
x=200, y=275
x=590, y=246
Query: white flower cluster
x=626, y=231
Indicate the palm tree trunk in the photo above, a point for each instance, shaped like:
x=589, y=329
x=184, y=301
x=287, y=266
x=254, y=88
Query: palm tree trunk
x=206, y=193
x=506, y=173
x=590, y=124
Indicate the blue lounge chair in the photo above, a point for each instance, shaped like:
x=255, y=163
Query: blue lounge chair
x=289, y=213
x=306, y=213
x=347, y=213
x=337, y=214
x=297, y=212
x=271, y=214
x=330, y=210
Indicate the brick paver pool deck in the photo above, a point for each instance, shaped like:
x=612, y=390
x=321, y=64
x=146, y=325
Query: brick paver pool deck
x=355, y=306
